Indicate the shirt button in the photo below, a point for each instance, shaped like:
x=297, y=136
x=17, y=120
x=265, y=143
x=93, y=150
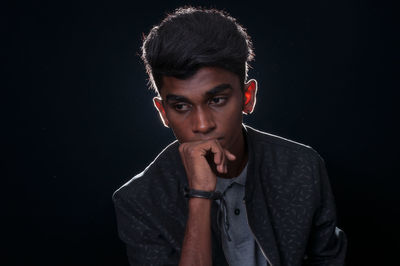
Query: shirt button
x=237, y=211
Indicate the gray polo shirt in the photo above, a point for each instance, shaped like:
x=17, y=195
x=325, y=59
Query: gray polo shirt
x=242, y=249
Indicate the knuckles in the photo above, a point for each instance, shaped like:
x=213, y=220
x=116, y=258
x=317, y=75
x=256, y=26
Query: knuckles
x=188, y=150
x=193, y=149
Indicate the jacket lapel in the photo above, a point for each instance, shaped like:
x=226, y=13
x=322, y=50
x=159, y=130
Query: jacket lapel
x=256, y=205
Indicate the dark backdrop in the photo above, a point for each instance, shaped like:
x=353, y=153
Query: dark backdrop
x=78, y=120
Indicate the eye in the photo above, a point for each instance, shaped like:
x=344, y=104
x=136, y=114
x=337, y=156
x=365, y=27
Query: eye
x=181, y=107
x=218, y=100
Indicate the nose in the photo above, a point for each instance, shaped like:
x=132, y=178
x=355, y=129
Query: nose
x=203, y=121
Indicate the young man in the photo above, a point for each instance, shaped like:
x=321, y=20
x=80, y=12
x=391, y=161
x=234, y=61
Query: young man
x=223, y=193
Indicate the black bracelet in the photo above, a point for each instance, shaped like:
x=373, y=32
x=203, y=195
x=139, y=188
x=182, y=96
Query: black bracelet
x=193, y=193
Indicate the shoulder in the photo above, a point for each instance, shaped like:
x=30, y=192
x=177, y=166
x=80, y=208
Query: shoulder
x=281, y=148
x=288, y=169
x=162, y=176
x=284, y=162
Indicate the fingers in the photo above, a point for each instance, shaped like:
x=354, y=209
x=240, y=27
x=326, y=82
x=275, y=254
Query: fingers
x=229, y=155
x=220, y=159
x=218, y=155
x=221, y=156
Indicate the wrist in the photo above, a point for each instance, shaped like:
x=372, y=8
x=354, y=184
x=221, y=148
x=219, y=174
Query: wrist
x=199, y=206
x=195, y=193
x=207, y=187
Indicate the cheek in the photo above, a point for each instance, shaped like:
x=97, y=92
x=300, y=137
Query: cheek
x=231, y=117
x=180, y=129
x=235, y=111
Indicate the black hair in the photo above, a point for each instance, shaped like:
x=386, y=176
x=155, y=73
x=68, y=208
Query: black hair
x=190, y=38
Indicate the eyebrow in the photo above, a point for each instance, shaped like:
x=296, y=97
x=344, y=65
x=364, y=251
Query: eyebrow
x=217, y=89
x=175, y=98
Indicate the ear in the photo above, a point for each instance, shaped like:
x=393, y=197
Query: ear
x=158, y=104
x=249, y=96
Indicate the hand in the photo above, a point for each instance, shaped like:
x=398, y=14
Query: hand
x=202, y=161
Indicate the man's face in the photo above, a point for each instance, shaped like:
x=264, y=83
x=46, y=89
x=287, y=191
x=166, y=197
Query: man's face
x=208, y=105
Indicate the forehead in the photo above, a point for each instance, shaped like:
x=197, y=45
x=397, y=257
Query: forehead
x=202, y=81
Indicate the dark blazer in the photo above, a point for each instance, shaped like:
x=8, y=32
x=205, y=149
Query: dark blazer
x=289, y=202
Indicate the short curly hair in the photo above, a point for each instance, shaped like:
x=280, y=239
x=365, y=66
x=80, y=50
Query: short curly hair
x=190, y=38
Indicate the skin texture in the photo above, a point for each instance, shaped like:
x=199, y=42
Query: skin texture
x=205, y=114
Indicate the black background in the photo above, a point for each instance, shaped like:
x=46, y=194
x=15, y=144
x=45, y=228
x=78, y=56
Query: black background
x=78, y=120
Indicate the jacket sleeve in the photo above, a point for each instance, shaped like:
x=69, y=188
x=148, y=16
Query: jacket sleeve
x=327, y=243
x=145, y=244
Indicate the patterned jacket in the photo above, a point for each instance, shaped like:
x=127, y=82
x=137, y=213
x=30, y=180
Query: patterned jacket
x=289, y=204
